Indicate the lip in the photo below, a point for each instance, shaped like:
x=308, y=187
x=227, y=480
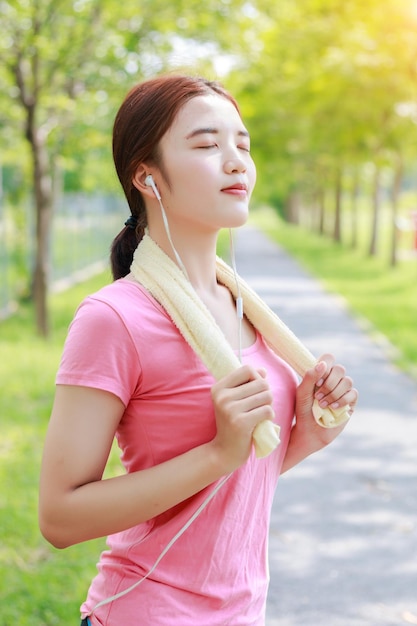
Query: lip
x=236, y=189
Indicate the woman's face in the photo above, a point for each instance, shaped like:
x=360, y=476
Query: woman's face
x=208, y=173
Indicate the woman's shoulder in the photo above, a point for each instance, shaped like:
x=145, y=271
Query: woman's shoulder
x=119, y=291
x=121, y=302
x=121, y=295
x=121, y=309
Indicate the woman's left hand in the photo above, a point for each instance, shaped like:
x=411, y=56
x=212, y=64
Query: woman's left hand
x=327, y=383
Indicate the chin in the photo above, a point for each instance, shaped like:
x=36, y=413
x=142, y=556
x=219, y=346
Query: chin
x=238, y=220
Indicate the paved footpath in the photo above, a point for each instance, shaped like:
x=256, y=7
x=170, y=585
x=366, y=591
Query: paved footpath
x=343, y=541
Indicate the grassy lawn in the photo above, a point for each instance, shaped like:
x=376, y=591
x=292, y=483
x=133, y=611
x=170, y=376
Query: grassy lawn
x=41, y=586
x=385, y=297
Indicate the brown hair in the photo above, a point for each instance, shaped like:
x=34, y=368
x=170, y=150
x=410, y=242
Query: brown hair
x=145, y=115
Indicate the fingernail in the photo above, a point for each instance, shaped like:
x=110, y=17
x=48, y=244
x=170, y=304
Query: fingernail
x=319, y=396
x=319, y=382
x=335, y=405
x=324, y=404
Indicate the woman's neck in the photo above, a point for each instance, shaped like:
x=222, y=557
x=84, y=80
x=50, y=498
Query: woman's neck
x=197, y=252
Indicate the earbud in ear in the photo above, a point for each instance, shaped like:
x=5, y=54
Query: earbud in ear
x=149, y=182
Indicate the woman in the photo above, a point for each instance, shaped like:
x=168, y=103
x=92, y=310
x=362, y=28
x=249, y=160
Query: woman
x=187, y=525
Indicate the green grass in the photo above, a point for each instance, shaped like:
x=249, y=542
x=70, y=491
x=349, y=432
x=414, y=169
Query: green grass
x=40, y=586
x=383, y=296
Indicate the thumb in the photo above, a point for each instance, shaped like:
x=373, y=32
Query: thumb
x=314, y=377
x=319, y=371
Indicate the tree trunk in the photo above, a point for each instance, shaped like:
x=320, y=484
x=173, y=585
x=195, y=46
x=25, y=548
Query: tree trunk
x=375, y=211
x=354, y=209
x=292, y=208
x=337, y=236
x=42, y=184
x=322, y=209
x=43, y=197
x=29, y=90
x=395, y=194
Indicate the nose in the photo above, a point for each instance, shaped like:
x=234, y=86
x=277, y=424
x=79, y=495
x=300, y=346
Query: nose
x=234, y=161
x=235, y=165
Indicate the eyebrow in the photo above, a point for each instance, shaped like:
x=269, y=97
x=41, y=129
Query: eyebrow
x=212, y=131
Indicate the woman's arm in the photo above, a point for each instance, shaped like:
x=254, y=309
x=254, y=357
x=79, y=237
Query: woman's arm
x=328, y=384
x=77, y=505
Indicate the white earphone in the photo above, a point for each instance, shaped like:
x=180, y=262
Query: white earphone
x=149, y=182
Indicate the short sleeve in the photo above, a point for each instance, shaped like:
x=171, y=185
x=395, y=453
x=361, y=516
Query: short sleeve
x=99, y=352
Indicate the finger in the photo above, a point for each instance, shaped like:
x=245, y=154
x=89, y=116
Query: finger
x=239, y=376
x=349, y=398
x=256, y=401
x=260, y=414
x=250, y=389
x=336, y=394
x=330, y=381
x=328, y=360
x=313, y=376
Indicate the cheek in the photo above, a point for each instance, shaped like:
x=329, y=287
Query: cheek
x=252, y=174
x=189, y=172
x=199, y=177
x=186, y=189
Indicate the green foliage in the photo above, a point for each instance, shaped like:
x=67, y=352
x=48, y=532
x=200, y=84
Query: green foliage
x=333, y=85
x=75, y=61
x=322, y=85
x=65, y=67
x=319, y=82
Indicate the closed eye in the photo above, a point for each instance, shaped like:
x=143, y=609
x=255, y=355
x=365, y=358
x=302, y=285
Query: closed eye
x=214, y=145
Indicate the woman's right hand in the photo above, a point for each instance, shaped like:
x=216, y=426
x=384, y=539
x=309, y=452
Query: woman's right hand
x=241, y=400
x=76, y=504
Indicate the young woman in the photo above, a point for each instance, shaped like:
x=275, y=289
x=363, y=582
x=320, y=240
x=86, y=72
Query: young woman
x=187, y=524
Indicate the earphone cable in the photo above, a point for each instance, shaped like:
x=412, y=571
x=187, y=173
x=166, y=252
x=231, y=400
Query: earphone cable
x=169, y=545
x=168, y=232
x=199, y=510
x=239, y=300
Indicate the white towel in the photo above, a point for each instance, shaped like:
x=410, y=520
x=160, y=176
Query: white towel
x=167, y=284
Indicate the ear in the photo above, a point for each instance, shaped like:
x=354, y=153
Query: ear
x=138, y=181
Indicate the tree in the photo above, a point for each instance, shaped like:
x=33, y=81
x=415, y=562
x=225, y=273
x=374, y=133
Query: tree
x=62, y=59
x=41, y=66
x=395, y=193
x=331, y=81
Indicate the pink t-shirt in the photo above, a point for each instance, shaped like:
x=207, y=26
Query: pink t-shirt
x=122, y=341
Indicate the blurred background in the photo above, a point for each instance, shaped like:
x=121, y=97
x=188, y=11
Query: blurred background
x=328, y=91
